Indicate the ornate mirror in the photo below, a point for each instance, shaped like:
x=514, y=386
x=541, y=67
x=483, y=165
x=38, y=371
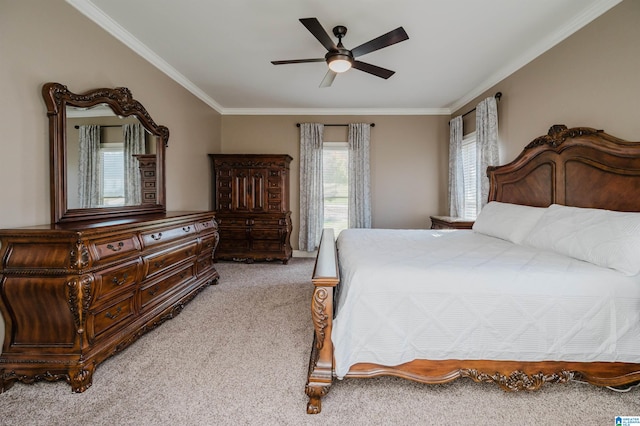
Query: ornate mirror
x=107, y=155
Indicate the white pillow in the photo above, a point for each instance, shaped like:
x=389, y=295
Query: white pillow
x=602, y=237
x=511, y=222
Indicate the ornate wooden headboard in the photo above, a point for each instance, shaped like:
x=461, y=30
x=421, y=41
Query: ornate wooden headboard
x=581, y=167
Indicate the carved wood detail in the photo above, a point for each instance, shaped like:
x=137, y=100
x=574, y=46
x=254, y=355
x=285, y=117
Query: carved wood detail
x=80, y=299
x=558, y=133
x=79, y=256
x=518, y=380
x=551, y=169
x=319, y=314
x=119, y=98
x=64, y=316
x=57, y=98
x=251, y=197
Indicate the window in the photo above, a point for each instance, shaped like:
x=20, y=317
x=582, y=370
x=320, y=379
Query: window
x=335, y=157
x=112, y=166
x=469, y=209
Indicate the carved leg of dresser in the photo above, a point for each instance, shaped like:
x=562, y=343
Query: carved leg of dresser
x=215, y=278
x=81, y=378
x=5, y=382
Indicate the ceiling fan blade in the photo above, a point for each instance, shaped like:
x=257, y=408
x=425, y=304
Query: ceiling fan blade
x=298, y=61
x=313, y=25
x=328, y=78
x=392, y=37
x=373, y=69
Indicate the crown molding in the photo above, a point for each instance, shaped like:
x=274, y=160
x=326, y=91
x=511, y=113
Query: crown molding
x=579, y=21
x=91, y=11
x=336, y=111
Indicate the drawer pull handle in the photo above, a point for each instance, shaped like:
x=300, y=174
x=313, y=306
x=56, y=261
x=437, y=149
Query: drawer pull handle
x=118, y=282
x=153, y=291
x=183, y=274
x=186, y=228
x=188, y=253
x=157, y=236
x=114, y=316
x=115, y=248
x=159, y=264
x=206, y=224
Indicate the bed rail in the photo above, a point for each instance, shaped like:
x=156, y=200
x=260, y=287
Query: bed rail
x=326, y=276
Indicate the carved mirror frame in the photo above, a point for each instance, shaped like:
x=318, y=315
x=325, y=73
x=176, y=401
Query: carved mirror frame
x=57, y=97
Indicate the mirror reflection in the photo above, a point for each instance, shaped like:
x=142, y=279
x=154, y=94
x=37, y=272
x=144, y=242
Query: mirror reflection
x=110, y=159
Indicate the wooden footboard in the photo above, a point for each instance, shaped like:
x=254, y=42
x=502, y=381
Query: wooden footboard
x=509, y=375
x=326, y=277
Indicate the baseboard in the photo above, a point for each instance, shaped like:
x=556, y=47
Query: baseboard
x=300, y=253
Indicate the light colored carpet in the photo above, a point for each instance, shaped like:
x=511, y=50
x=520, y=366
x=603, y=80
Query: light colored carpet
x=238, y=354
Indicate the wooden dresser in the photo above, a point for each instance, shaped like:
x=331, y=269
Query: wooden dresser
x=74, y=294
x=251, y=197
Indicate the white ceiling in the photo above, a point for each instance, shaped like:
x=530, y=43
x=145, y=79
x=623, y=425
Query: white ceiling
x=221, y=49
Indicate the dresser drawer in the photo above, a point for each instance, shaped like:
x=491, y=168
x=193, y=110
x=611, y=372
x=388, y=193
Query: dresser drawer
x=274, y=206
x=109, y=316
x=209, y=242
x=153, y=292
x=204, y=264
x=269, y=222
x=266, y=245
x=162, y=236
x=113, y=280
x=159, y=262
x=274, y=196
x=205, y=226
x=231, y=221
x=231, y=245
x=266, y=234
x=115, y=246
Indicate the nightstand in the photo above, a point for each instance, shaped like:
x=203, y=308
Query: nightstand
x=449, y=222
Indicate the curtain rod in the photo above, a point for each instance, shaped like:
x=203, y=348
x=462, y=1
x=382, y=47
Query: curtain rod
x=497, y=96
x=337, y=125
x=106, y=125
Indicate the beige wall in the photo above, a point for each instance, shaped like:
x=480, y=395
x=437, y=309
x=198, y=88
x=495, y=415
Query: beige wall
x=590, y=79
x=408, y=160
x=48, y=40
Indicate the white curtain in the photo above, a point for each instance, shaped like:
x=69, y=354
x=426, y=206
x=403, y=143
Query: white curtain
x=486, y=146
x=456, y=171
x=311, y=190
x=134, y=143
x=89, y=188
x=359, y=176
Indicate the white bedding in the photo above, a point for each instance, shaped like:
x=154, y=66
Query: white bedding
x=423, y=294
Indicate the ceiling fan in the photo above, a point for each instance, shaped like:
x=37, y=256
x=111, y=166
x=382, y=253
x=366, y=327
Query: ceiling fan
x=339, y=59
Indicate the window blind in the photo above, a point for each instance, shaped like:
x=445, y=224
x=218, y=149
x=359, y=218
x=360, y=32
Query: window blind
x=469, y=176
x=335, y=157
x=112, y=173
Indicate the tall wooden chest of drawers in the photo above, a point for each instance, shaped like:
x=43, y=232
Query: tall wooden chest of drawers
x=72, y=295
x=148, y=181
x=251, y=197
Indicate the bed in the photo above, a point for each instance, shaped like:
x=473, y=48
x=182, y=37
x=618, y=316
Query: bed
x=544, y=289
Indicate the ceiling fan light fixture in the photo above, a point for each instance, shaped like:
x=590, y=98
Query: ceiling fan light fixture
x=340, y=64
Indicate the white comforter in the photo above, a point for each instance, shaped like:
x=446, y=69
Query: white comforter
x=422, y=294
